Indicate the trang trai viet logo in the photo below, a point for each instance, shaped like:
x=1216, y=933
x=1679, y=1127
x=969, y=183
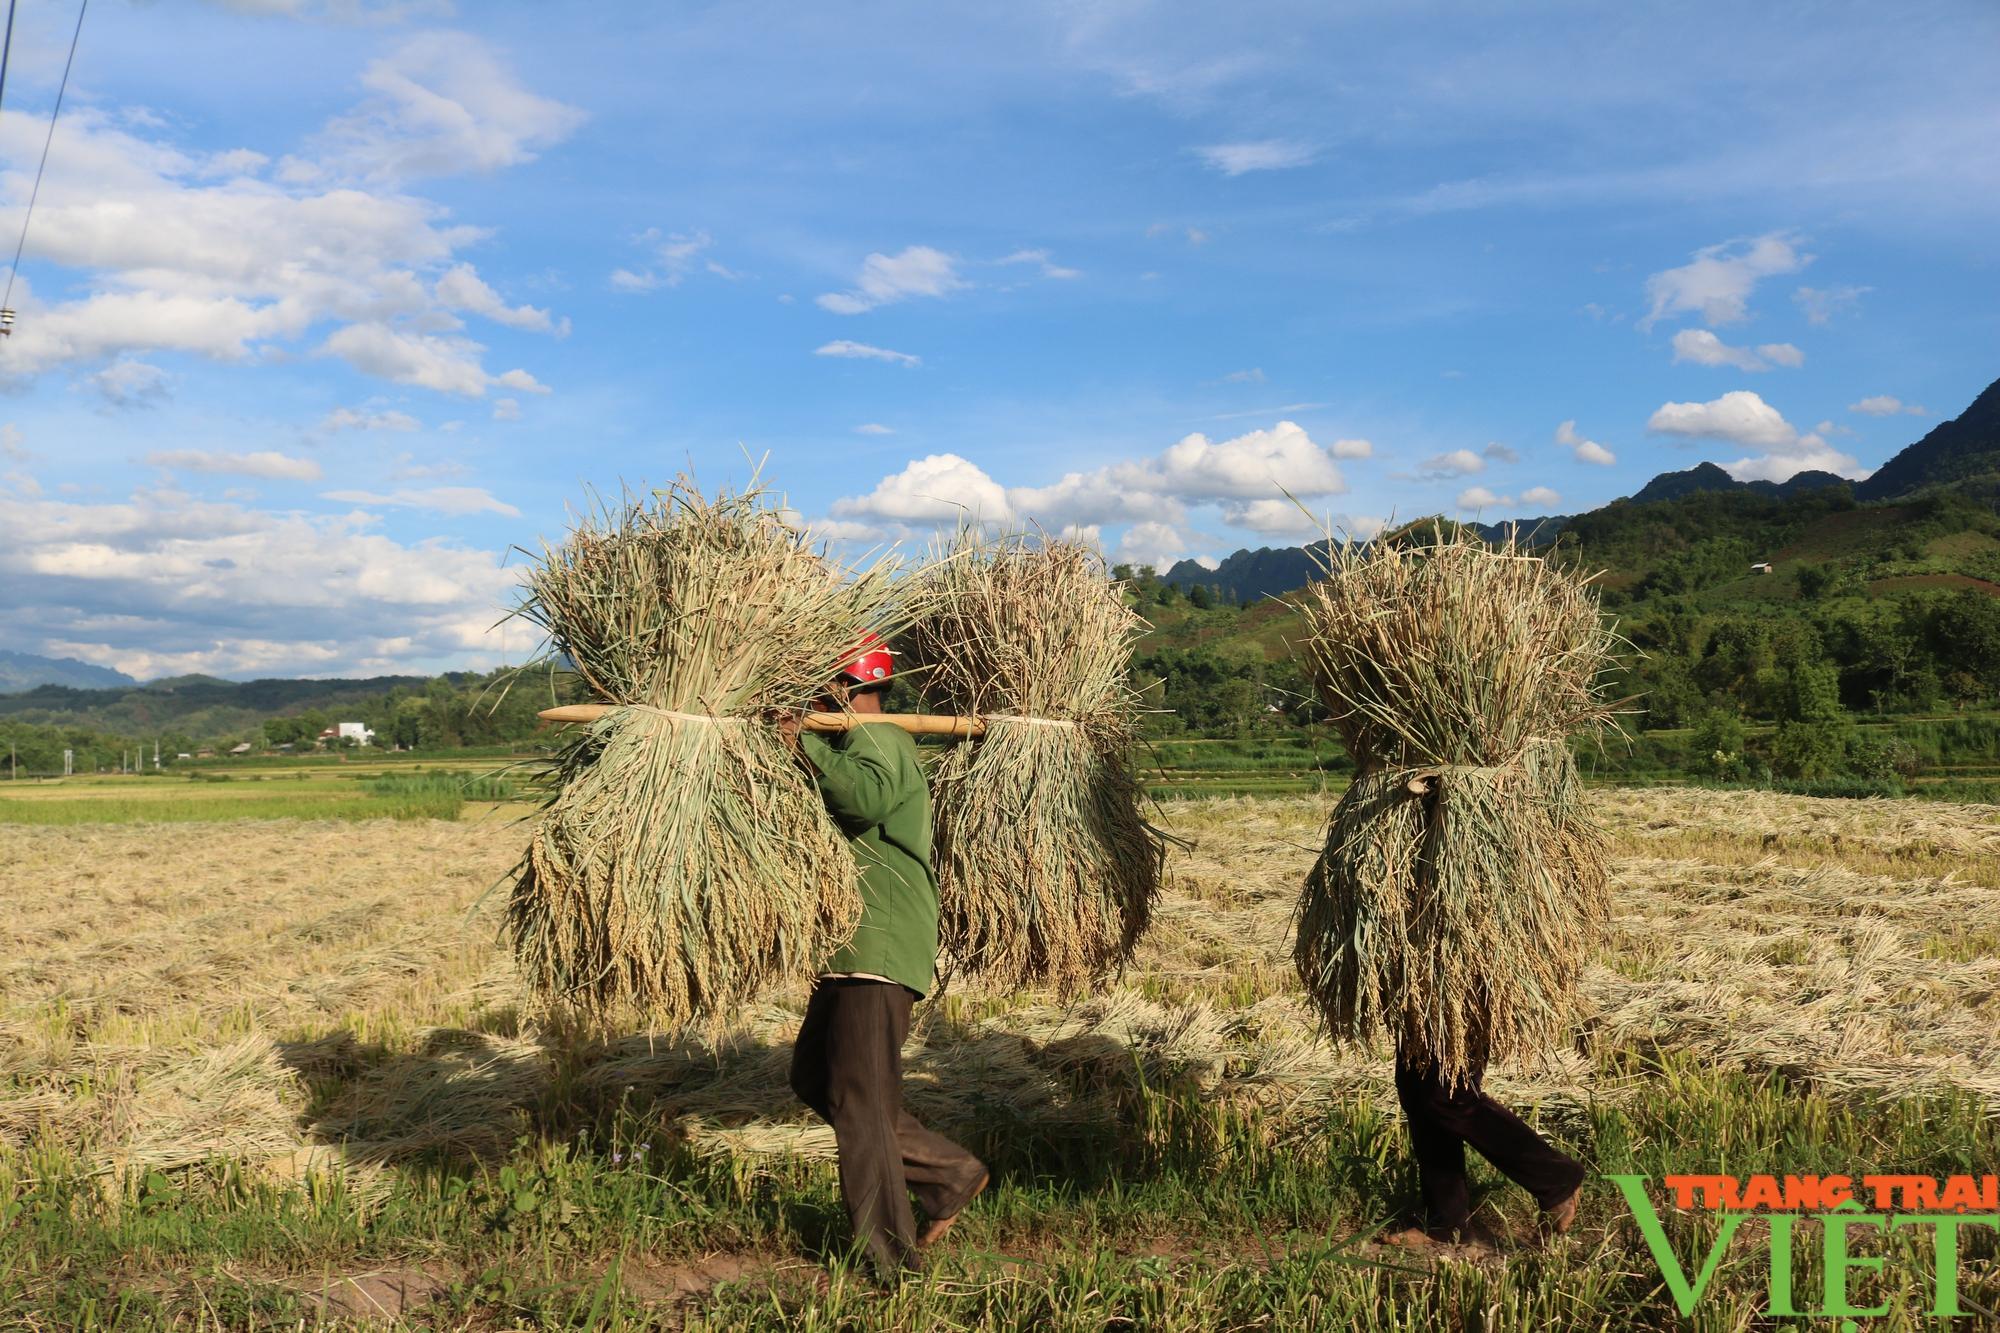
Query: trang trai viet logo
x=1847, y=1211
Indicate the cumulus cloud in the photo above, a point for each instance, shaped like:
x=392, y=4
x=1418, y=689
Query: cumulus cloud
x=862, y=351
x=1584, y=451
x=1703, y=348
x=917, y=270
x=443, y=104
x=1499, y=453
x=355, y=418
x=1234, y=159
x=872, y=428
x=1740, y=416
x=210, y=254
x=1887, y=405
x=162, y=582
x=1541, y=497
x=463, y=289
x=436, y=499
x=1246, y=479
x=1718, y=281
x=1156, y=544
x=1478, y=497
x=1744, y=418
x=1275, y=518
x=940, y=487
x=1457, y=463
x=1822, y=305
x=127, y=382
x=507, y=409
x=1351, y=449
x=268, y=464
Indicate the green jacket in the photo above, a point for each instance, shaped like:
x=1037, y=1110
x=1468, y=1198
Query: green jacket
x=874, y=786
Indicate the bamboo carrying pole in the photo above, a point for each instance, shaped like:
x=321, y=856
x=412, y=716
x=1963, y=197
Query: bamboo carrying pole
x=917, y=724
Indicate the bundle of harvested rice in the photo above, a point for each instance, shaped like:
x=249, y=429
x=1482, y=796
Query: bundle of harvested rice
x=1463, y=881
x=683, y=860
x=1046, y=867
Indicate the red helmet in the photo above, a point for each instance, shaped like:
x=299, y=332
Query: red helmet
x=871, y=663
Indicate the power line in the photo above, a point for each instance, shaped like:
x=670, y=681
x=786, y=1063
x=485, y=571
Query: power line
x=15, y=269
x=6, y=50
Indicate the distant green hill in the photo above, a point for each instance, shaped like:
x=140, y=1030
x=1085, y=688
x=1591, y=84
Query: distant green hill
x=1709, y=477
x=200, y=706
x=1964, y=452
x=24, y=671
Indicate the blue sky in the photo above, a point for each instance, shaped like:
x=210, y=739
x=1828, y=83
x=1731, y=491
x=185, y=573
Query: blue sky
x=325, y=313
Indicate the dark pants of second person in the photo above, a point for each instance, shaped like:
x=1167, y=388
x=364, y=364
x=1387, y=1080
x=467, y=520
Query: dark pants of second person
x=1443, y=1119
x=848, y=1066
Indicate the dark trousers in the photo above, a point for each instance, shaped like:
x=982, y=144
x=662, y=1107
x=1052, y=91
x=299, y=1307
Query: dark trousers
x=848, y=1066
x=1443, y=1119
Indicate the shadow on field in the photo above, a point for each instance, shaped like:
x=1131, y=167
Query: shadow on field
x=1087, y=1108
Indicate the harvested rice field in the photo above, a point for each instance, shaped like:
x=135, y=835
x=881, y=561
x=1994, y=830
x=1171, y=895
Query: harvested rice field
x=272, y=1074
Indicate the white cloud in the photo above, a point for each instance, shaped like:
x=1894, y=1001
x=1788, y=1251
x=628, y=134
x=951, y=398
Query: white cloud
x=443, y=104
x=130, y=383
x=1234, y=159
x=436, y=499
x=1254, y=375
x=1155, y=544
x=265, y=463
x=1887, y=405
x=507, y=409
x=1499, y=453
x=1457, y=463
x=442, y=362
x=1275, y=518
x=163, y=583
x=847, y=348
x=940, y=487
x=1351, y=449
x=917, y=270
x=1824, y=305
x=1746, y=419
x=463, y=289
x=1050, y=269
x=520, y=381
x=1541, y=497
x=1478, y=497
x=675, y=255
x=1585, y=451
x=353, y=418
x=872, y=428
x=1718, y=281
x=1741, y=416
x=206, y=253
x=11, y=447
x=1246, y=479
x=1705, y=349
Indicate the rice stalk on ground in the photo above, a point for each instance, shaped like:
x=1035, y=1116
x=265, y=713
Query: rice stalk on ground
x=1462, y=887
x=1047, y=868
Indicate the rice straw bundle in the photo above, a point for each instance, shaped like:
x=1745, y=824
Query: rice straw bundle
x=684, y=861
x=1463, y=881
x=1046, y=868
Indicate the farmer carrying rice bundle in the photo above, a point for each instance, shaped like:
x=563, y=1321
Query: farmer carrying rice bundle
x=848, y=1062
x=1463, y=882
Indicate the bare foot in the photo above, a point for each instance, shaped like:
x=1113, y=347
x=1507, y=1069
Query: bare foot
x=934, y=1229
x=1560, y=1216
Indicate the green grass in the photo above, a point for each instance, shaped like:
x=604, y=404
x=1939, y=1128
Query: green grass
x=1186, y=1216
x=411, y=791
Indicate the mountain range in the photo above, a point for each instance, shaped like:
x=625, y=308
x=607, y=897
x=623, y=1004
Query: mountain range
x=1962, y=454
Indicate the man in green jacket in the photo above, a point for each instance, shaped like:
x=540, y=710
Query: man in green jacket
x=848, y=1062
